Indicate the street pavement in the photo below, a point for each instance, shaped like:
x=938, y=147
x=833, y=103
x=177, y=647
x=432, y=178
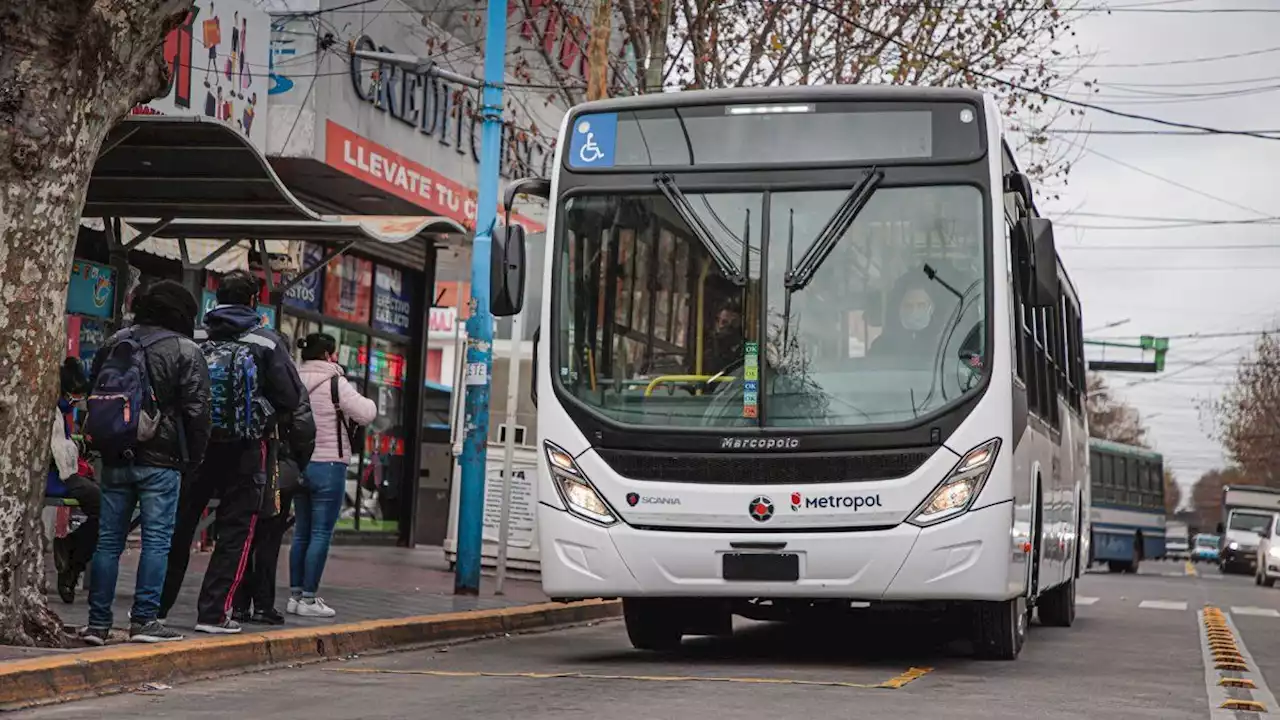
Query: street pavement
x=1134, y=652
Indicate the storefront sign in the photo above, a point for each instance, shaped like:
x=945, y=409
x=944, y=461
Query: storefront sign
x=348, y=286
x=306, y=294
x=441, y=320
x=91, y=290
x=392, y=295
x=73, y=337
x=446, y=111
x=217, y=67
x=93, y=334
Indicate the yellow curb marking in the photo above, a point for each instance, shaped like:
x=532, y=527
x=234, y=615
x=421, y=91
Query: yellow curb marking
x=1253, y=705
x=1191, y=569
x=892, y=683
x=1236, y=682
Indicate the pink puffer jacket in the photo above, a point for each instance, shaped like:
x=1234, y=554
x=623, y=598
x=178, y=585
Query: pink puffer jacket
x=315, y=376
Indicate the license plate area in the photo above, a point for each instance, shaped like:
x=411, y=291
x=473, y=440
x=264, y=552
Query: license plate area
x=762, y=567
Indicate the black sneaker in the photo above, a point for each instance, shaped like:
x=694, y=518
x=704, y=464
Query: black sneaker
x=226, y=627
x=270, y=616
x=95, y=636
x=152, y=632
x=241, y=616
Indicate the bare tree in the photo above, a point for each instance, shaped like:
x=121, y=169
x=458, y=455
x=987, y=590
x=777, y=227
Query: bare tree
x=1013, y=49
x=1248, y=414
x=1206, y=496
x=1111, y=418
x=69, y=70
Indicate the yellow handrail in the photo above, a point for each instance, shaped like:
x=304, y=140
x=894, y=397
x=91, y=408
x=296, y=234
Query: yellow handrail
x=683, y=378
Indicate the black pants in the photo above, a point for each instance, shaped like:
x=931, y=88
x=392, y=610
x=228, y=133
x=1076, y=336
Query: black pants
x=259, y=586
x=223, y=476
x=84, y=540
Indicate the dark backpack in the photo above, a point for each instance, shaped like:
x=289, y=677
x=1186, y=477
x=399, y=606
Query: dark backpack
x=121, y=410
x=238, y=410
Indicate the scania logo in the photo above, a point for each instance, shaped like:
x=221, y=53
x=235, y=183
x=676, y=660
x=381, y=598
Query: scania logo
x=634, y=499
x=738, y=443
x=761, y=509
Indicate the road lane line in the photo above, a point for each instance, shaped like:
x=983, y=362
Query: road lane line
x=894, y=683
x=1255, y=611
x=1162, y=605
x=1191, y=569
x=1231, y=676
x=1085, y=600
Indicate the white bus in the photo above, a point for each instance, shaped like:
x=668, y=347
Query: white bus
x=803, y=348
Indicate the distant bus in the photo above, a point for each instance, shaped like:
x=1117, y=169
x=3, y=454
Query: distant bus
x=1127, y=512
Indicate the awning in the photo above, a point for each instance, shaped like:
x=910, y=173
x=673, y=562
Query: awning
x=331, y=231
x=162, y=166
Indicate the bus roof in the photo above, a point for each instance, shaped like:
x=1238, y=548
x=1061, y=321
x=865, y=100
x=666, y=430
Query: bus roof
x=1122, y=449
x=794, y=93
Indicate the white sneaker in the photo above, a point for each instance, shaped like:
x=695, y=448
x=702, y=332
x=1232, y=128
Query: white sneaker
x=315, y=608
x=292, y=607
x=226, y=627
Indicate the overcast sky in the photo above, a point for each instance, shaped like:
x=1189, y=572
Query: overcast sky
x=1178, y=280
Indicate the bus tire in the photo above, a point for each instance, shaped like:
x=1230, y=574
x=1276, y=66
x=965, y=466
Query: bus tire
x=1000, y=629
x=1057, y=607
x=652, y=624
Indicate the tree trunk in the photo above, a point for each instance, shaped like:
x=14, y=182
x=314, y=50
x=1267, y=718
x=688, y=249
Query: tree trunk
x=69, y=70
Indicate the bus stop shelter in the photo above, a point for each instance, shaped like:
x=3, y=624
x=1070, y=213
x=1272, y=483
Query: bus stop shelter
x=188, y=178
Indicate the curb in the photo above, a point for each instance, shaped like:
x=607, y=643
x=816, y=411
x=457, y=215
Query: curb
x=44, y=680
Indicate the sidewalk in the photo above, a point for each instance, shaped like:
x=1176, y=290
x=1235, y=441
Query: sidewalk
x=360, y=582
x=387, y=598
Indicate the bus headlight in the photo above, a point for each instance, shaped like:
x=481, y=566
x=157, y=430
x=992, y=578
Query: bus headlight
x=956, y=492
x=574, y=488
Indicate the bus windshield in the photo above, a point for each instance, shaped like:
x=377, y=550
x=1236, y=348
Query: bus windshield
x=1249, y=522
x=652, y=329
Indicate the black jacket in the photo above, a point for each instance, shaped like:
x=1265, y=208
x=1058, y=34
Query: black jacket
x=180, y=380
x=281, y=385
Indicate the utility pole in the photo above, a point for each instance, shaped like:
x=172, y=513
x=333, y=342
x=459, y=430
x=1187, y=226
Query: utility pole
x=480, y=322
x=598, y=52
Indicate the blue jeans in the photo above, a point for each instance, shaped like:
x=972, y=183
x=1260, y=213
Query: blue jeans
x=156, y=490
x=317, y=506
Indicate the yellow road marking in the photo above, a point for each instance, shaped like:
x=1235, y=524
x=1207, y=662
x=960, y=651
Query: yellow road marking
x=892, y=683
x=1191, y=569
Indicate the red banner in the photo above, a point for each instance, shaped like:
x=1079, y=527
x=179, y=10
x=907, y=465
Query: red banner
x=394, y=173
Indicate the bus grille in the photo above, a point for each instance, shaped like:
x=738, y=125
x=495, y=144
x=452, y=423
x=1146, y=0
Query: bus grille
x=791, y=468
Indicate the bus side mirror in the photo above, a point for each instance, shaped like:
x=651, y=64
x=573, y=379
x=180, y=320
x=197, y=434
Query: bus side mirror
x=506, y=273
x=533, y=186
x=1041, y=269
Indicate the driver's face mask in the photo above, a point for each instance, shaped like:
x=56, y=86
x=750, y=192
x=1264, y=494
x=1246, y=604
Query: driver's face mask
x=917, y=311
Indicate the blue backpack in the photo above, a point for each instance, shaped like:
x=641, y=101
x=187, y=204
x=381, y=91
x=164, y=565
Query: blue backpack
x=237, y=408
x=121, y=410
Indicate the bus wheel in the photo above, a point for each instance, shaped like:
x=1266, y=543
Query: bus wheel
x=652, y=624
x=1058, y=606
x=1000, y=629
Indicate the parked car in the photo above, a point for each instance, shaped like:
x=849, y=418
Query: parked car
x=1268, y=554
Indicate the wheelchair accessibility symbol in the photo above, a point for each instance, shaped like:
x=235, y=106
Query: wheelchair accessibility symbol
x=594, y=138
x=590, y=151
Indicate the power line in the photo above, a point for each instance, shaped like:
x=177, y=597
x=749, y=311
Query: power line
x=1189, y=61
x=1015, y=86
x=1175, y=183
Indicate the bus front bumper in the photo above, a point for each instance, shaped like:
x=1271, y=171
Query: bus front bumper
x=972, y=557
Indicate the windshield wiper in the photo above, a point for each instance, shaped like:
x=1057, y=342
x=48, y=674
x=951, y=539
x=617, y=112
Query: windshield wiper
x=667, y=185
x=836, y=227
